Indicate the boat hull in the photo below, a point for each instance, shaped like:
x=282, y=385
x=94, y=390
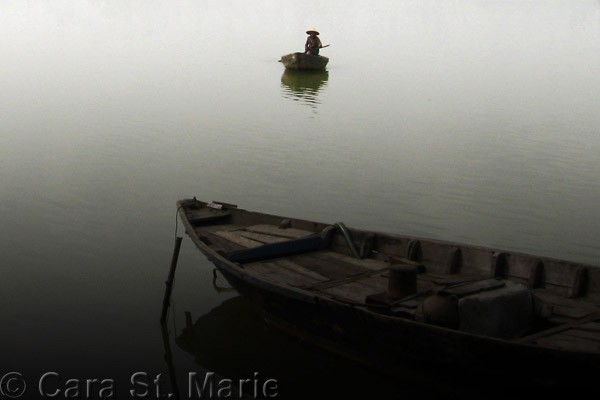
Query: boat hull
x=301, y=61
x=399, y=348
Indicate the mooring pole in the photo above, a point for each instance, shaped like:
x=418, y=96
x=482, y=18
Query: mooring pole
x=169, y=360
x=169, y=282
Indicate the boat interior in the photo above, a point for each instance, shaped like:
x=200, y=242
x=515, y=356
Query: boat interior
x=478, y=290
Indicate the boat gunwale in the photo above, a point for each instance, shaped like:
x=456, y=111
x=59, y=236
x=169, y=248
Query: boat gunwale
x=441, y=242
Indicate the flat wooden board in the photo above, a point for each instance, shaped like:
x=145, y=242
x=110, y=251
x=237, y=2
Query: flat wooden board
x=368, y=263
x=261, y=237
x=331, y=268
x=275, y=273
x=292, y=266
x=352, y=291
x=290, y=233
x=236, y=238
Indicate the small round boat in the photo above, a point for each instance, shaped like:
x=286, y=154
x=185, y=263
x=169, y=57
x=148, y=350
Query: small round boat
x=304, y=61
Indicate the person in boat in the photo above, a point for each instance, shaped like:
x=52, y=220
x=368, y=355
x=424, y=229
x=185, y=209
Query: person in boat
x=313, y=43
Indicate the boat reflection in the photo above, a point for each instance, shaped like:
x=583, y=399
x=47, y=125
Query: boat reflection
x=234, y=341
x=303, y=86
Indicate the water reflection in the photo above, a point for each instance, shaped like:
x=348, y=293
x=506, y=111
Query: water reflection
x=169, y=361
x=304, y=86
x=217, y=286
x=233, y=341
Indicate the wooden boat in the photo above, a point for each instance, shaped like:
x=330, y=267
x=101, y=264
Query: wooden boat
x=304, y=61
x=387, y=299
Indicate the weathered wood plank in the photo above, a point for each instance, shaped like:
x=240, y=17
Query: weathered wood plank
x=226, y=227
x=224, y=244
x=377, y=282
x=392, y=246
x=333, y=269
x=438, y=257
x=560, y=273
x=261, y=237
x=274, y=273
x=353, y=291
x=368, y=263
x=234, y=237
x=287, y=264
x=294, y=278
x=290, y=233
x=517, y=266
x=476, y=261
x=342, y=281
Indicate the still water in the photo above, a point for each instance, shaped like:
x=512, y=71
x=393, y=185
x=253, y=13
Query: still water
x=471, y=121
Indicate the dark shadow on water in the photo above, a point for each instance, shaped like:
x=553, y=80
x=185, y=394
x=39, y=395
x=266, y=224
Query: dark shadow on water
x=234, y=342
x=303, y=86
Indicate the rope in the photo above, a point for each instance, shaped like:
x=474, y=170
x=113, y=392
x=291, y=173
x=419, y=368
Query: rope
x=342, y=228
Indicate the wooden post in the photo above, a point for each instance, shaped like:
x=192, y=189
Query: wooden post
x=169, y=282
x=169, y=361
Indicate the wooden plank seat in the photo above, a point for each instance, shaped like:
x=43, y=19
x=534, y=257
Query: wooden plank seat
x=277, y=232
x=306, y=270
x=264, y=242
x=230, y=237
x=278, y=249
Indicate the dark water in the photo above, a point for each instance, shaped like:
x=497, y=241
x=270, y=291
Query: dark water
x=469, y=121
